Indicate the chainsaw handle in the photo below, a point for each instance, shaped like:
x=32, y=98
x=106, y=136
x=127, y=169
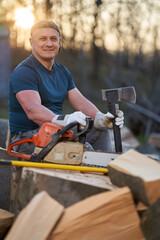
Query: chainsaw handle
x=84, y=131
x=18, y=142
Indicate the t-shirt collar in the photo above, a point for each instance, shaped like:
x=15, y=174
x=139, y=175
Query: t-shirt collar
x=40, y=65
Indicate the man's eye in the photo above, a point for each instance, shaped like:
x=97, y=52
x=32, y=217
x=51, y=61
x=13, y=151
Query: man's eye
x=53, y=39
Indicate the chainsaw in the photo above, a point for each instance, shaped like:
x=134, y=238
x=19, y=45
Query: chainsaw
x=57, y=145
x=63, y=148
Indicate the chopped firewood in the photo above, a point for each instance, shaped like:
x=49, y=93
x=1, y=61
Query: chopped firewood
x=6, y=220
x=140, y=173
x=109, y=215
x=37, y=219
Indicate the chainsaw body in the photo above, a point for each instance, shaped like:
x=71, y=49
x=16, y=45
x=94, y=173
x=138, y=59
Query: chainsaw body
x=54, y=144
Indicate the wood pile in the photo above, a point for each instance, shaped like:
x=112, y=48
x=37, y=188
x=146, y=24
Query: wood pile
x=140, y=173
x=37, y=219
x=110, y=215
x=6, y=220
x=131, y=211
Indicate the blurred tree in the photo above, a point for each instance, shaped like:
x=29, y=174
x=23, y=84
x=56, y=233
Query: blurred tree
x=95, y=37
x=109, y=43
x=48, y=8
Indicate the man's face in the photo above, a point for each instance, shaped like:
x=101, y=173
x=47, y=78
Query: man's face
x=45, y=43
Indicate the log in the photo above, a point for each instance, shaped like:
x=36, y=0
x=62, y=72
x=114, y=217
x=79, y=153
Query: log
x=6, y=220
x=140, y=173
x=37, y=219
x=66, y=187
x=3, y=130
x=150, y=222
x=5, y=156
x=6, y=179
x=110, y=215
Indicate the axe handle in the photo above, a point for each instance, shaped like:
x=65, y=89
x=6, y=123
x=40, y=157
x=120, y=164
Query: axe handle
x=117, y=138
x=113, y=108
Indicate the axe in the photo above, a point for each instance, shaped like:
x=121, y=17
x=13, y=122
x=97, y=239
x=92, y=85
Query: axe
x=113, y=97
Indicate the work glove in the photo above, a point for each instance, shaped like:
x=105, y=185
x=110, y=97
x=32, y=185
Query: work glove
x=103, y=121
x=63, y=120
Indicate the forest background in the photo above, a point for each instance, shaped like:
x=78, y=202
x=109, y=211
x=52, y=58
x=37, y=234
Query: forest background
x=105, y=44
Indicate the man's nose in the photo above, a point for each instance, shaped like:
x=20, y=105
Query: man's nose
x=49, y=42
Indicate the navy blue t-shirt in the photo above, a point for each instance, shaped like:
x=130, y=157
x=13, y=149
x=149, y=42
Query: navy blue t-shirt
x=52, y=87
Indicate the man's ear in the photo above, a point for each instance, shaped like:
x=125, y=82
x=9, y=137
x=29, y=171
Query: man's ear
x=30, y=40
x=59, y=47
x=60, y=44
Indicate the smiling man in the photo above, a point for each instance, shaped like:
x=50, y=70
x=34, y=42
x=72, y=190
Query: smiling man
x=38, y=88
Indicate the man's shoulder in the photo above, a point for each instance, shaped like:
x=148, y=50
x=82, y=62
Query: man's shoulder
x=25, y=67
x=61, y=67
x=27, y=63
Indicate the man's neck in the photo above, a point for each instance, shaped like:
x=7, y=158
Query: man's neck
x=47, y=64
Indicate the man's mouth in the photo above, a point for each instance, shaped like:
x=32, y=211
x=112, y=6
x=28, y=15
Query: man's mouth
x=48, y=50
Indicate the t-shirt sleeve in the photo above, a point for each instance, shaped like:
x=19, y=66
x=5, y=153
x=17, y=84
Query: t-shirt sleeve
x=71, y=83
x=24, y=78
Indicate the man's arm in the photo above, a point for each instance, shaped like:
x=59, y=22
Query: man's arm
x=101, y=121
x=31, y=103
x=80, y=103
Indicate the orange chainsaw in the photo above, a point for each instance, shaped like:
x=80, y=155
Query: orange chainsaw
x=48, y=136
x=57, y=145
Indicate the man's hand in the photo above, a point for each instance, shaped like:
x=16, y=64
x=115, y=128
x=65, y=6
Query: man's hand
x=119, y=120
x=64, y=120
x=103, y=121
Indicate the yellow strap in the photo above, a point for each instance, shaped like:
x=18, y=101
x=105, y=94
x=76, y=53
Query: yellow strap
x=59, y=166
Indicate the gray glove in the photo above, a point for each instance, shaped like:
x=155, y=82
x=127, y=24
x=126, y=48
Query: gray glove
x=103, y=121
x=63, y=120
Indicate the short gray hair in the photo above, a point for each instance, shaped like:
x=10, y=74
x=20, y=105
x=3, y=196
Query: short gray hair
x=45, y=24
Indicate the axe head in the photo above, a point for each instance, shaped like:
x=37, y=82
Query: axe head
x=127, y=94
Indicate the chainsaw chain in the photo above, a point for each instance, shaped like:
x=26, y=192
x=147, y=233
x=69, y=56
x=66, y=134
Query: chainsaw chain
x=92, y=165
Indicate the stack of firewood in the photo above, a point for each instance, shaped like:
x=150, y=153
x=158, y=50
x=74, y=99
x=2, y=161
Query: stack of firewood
x=131, y=211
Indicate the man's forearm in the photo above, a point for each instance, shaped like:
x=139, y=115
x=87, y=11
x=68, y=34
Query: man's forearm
x=39, y=114
x=90, y=110
x=81, y=103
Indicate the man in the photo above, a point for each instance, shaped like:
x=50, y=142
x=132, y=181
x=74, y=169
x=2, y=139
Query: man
x=38, y=88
